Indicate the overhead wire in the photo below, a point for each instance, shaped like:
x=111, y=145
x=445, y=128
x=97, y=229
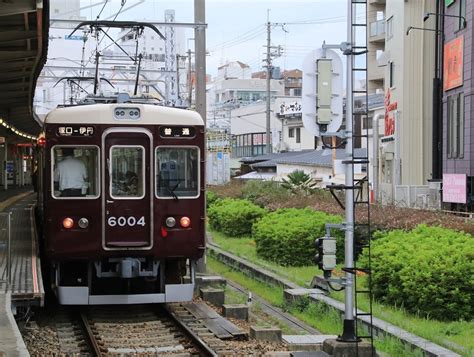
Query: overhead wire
x=256, y=31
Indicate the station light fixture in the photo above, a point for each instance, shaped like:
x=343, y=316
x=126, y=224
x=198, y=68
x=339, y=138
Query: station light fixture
x=14, y=130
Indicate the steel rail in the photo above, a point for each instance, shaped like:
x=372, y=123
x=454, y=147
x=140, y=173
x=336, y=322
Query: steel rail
x=92, y=340
x=203, y=346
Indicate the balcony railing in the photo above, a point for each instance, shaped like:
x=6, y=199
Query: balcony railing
x=377, y=28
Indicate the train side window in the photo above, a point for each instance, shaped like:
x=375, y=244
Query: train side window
x=127, y=171
x=75, y=172
x=177, y=172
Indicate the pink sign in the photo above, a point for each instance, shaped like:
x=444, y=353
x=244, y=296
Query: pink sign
x=454, y=188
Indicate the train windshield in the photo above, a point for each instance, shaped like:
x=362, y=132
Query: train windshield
x=177, y=172
x=75, y=172
x=127, y=171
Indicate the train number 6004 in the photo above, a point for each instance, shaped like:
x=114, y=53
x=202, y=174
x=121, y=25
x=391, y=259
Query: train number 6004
x=126, y=221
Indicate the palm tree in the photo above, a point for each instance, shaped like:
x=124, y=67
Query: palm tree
x=299, y=181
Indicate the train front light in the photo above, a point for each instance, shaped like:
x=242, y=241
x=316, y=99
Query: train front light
x=185, y=222
x=170, y=222
x=83, y=223
x=68, y=223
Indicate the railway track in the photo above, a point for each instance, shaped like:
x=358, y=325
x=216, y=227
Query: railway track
x=137, y=330
x=140, y=330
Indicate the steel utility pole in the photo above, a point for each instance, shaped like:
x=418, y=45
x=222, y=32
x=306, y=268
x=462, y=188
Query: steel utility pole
x=348, y=333
x=269, y=71
x=190, y=84
x=200, y=70
x=200, y=57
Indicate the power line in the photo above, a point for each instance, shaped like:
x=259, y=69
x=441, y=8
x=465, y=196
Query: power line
x=238, y=40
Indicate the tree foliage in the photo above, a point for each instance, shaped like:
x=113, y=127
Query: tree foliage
x=299, y=182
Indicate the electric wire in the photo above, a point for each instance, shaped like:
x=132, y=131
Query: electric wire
x=100, y=12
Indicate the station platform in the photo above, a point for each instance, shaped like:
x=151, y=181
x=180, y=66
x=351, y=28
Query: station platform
x=26, y=281
x=26, y=286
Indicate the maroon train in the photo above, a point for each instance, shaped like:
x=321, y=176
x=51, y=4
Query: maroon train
x=122, y=201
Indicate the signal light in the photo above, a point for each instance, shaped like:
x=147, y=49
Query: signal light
x=185, y=222
x=41, y=141
x=68, y=223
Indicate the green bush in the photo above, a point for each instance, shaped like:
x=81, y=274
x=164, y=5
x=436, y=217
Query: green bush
x=211, y=198
x=234, y=217
x=264, y=192
x=429, y=270
x=287, y=236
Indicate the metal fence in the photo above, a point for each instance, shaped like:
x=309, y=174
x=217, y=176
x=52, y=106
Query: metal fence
x=5, y=248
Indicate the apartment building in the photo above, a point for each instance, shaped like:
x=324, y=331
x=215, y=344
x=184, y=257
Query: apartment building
x=458, y=132
x=401, y=64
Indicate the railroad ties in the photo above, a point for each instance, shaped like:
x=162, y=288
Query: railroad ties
x=134, y=330
x=178, y=329
x=206, y=327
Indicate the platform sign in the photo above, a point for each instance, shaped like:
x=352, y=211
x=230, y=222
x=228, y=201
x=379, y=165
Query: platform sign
x=454, y=188
x=10, y=167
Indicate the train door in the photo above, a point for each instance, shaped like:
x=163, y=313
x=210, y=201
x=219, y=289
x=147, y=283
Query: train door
x=127, y=199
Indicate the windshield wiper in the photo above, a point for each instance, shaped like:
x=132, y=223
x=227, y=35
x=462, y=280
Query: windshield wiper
x=171, y=190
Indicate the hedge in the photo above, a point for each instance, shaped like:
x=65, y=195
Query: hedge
x=234, y=217
x=287, y=236
x=211, y=198
x=264, y=192
x=428, y=270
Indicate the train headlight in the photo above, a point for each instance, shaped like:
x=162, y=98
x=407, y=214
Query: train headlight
x=170, y=222
x=68, y=223
x=185, y=222
x=83, y=223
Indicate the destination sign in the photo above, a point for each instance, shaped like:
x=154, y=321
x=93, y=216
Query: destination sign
x=177, y=132
x=75, y=130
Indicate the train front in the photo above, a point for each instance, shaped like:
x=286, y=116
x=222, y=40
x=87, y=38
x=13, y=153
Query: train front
x=123, y=203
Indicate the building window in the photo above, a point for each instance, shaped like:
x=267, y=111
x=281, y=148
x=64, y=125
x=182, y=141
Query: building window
x=389, y=29
x=391, y=74
x=460, y=10
x=456, y=126
x=291, y=132
x=298, y=135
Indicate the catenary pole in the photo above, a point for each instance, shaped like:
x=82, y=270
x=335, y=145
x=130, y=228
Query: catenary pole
x=349, y=326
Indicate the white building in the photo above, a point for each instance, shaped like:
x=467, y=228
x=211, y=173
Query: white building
x=402, y=66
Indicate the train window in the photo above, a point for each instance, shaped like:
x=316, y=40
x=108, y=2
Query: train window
x=75, y=172
x=177, y=172
x=127, y=171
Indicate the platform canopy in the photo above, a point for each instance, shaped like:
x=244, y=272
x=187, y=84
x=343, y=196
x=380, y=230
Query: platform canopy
x=24, y=26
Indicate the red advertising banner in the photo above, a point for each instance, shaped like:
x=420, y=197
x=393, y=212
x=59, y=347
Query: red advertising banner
x=453, y=63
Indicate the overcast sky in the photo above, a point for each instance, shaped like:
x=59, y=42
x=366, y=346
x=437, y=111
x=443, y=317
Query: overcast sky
x=236, y=29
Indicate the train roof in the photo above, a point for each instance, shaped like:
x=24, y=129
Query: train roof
x=104, y=114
